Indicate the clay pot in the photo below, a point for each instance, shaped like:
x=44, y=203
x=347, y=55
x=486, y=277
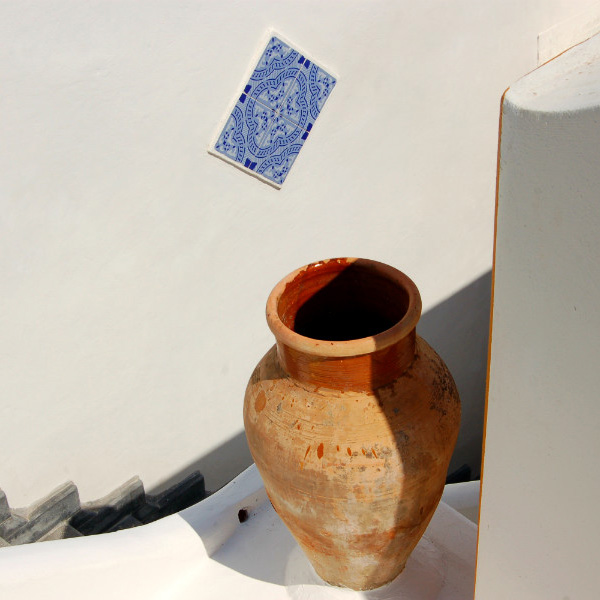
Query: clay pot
x=351, y=418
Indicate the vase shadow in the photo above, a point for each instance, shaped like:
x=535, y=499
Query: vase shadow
x=458, y=330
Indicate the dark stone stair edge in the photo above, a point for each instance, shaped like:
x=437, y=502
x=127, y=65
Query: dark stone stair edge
x=61, y=514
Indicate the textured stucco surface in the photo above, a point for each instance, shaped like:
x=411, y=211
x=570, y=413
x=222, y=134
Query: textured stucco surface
x=134, y=266
x=539, y=522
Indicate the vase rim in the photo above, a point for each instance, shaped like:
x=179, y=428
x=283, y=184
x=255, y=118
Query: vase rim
x=353, y=347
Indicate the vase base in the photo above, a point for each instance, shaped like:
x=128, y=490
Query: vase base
x=364, y=585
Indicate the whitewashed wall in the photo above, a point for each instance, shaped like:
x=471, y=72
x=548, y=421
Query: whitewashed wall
x=539, y=525
x=134, y=267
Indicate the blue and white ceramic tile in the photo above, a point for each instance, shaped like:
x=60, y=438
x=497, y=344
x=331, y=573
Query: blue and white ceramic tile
x=277, y=167
x=244, y=131
x=282, y=133
x=276, y=57
x=320, y=85
x=283, y=142
x=275, y=112
x=272, y=91
x=295, y=105
x=308, y=94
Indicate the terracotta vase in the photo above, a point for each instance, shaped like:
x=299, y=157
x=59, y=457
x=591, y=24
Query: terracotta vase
x=351, y=418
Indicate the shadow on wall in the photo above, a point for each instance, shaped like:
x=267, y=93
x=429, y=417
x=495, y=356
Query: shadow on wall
x=458, y=329
x=219, y=466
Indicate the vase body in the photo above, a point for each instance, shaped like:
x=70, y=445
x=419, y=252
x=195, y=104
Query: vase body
x=351, y=419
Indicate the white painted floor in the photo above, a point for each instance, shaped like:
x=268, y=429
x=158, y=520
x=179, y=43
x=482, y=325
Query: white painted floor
x=205, y=552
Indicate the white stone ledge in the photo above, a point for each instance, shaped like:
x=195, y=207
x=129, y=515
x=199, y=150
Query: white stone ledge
x=205, y=552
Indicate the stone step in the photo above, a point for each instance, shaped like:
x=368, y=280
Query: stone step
x=4, y=508
x=182, y=495
x=125, y=523
x=99, y=516
x=60, y=532
x=40, y=518
x=61, y=515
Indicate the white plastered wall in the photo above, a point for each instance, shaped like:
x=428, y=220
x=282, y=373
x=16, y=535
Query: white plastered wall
x=134, y=267
x=539, y=520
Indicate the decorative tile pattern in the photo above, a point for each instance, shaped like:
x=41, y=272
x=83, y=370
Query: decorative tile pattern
x=275, y=112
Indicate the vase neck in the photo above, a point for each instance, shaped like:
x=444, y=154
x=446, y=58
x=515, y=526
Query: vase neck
x=349, y=373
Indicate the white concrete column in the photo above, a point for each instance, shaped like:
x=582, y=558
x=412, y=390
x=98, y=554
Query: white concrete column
x=540, y=523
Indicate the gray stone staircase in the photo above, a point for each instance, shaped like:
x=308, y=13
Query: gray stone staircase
x=61, y=514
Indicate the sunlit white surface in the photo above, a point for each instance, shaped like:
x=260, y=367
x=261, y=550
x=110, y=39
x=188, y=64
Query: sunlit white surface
x=539, y=505
x=135, y=267
x=205, y=552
